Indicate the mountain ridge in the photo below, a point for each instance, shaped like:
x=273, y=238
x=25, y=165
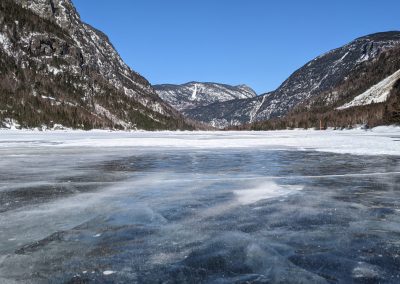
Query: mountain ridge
x=196, y=94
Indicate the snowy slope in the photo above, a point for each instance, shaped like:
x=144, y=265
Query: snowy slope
x=376, y=94
x=196, y=94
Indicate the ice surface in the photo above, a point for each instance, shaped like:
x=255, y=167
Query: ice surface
x=222, y=207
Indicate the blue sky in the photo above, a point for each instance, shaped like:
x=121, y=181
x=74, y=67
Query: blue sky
x=254, y=42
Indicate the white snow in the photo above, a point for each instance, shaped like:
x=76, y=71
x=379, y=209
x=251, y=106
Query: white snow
x=103, y=111
x=54, y=70
x=378, y=141
x=6, y=44
x=194, y=94
x=108, y=272
x=266, y=190
x=363, y=58
x=48, y=98
x=3, y=39
x=256, y=108
x=11, y=124
x=376, y=94
x=343, y=57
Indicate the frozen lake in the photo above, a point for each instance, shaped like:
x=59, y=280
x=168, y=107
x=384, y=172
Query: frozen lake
x=211, y=207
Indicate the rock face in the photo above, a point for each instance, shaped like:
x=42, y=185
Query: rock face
x=317, y=77
x=59, y=70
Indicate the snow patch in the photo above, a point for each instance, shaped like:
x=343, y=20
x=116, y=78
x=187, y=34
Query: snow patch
x=6, y=43
x=108, y=272
x=376, y=94
x=194, y=94
x=54, y=70
x=378, y=141
x=343, y=57
x=264, y=191
x=256, y=109
x=103, y=111
x=10, y=123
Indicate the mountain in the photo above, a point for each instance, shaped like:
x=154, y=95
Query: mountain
x=192, y=97
x=58, y=70
x=370, y=95
x=317, y=77
x=229, y=113
x=195, y=94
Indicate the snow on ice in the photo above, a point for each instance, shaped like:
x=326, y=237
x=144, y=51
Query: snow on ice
x=378, y=141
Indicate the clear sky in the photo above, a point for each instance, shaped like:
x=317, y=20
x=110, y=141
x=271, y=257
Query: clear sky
x=254, y=42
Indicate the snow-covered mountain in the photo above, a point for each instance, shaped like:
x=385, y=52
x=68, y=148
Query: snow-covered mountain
x=57, y=69
x=369, y=96
x=317, y=77
x=229, y=113
x=325, y=72
x=195, y=94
